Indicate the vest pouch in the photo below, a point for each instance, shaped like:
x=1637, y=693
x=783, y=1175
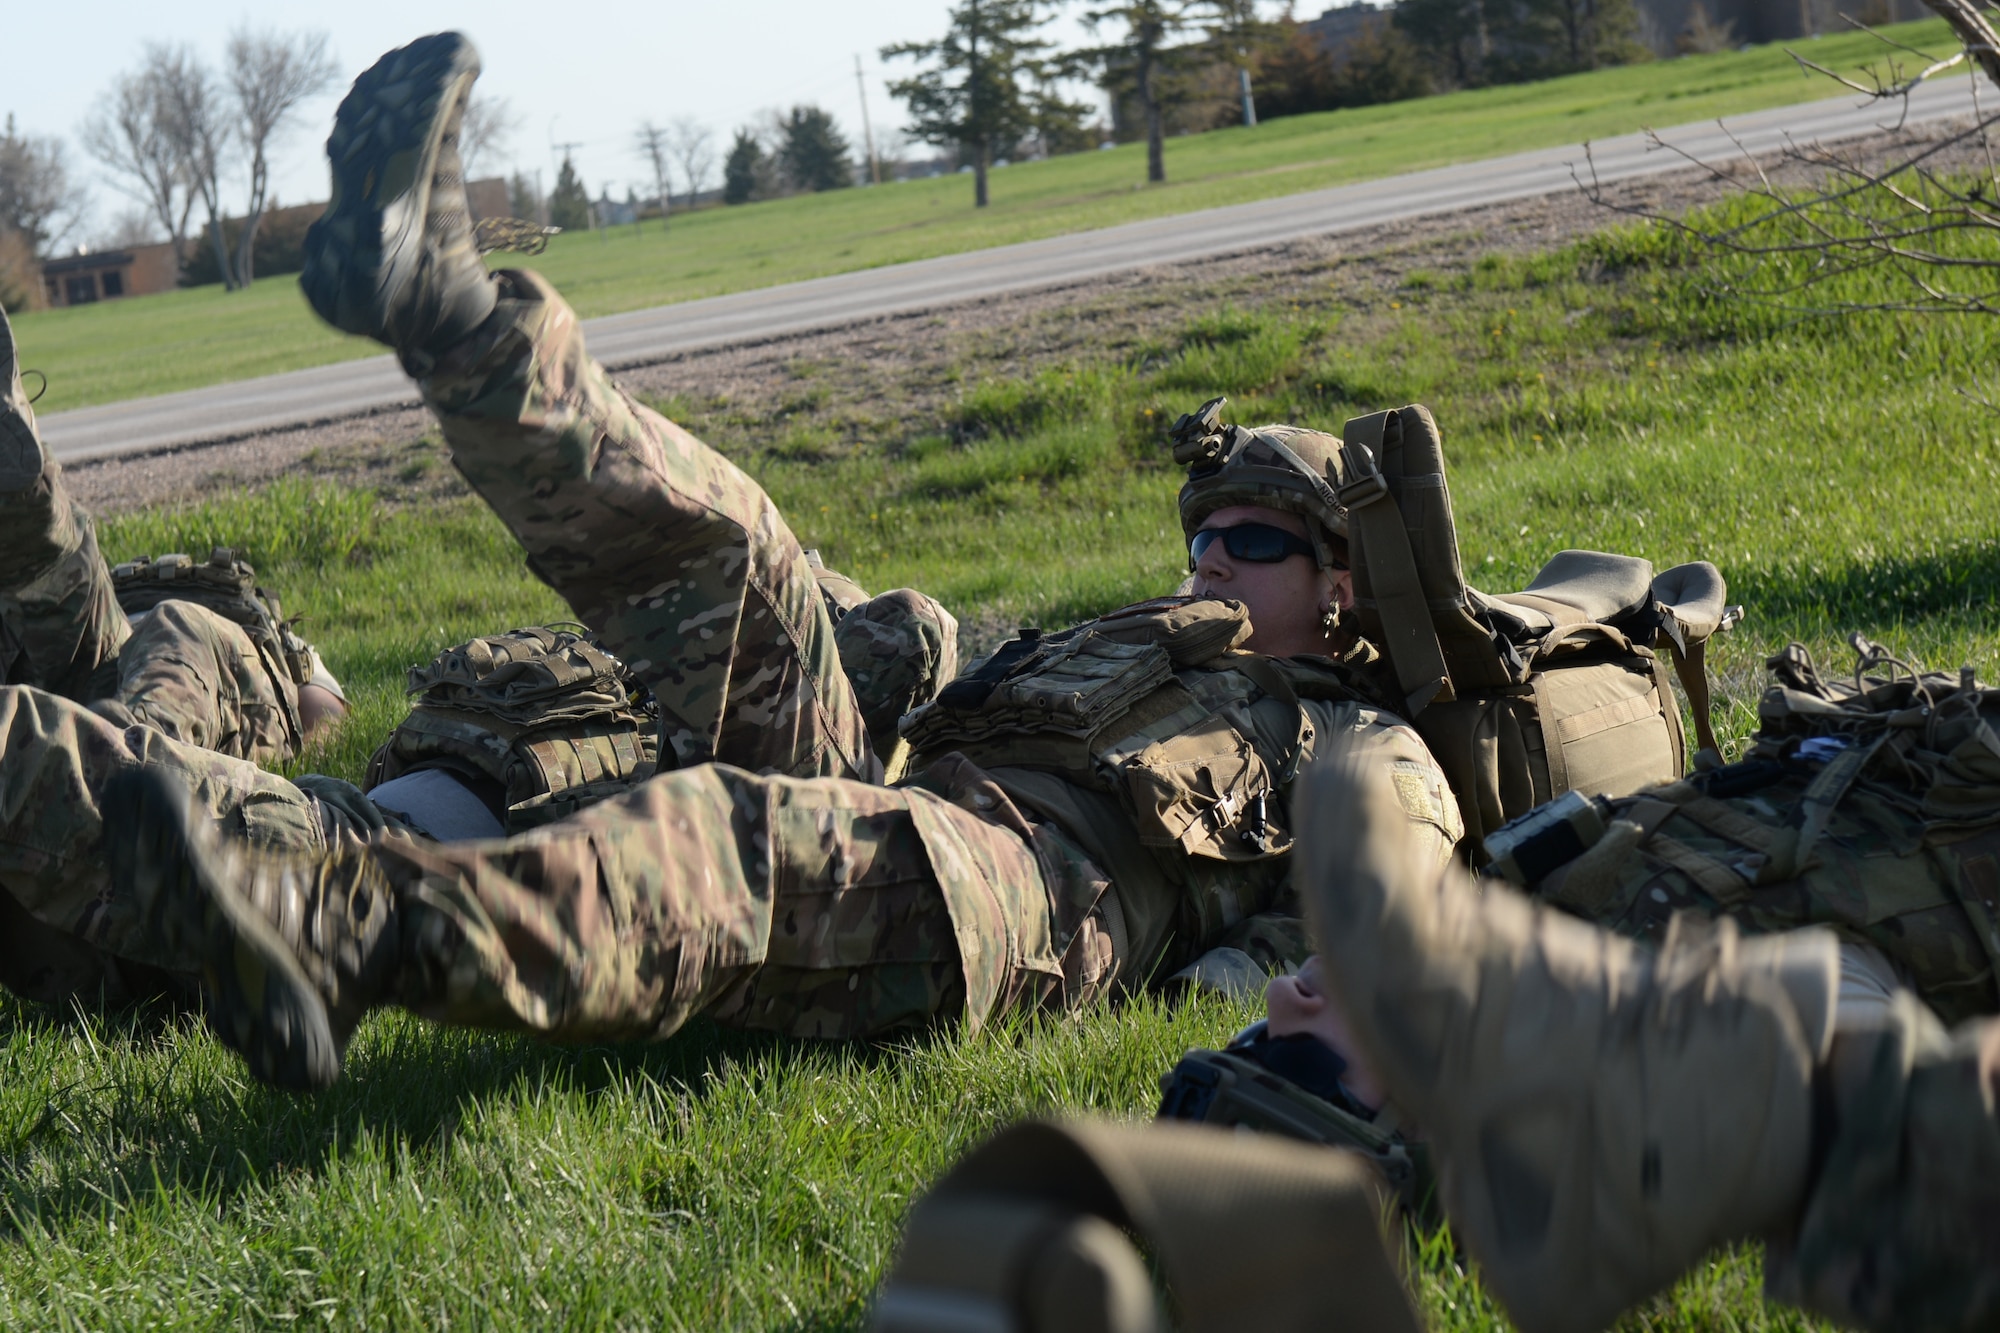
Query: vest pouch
x=1048, y=708
x=1206, y=792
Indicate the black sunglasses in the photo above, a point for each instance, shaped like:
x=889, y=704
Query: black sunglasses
x=1258, y=543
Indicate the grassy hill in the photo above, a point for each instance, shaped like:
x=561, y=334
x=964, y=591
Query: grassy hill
x=1595, y=397
x=180, y=340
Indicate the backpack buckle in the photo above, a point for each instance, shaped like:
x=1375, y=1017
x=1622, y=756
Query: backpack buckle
x=1363, y=490
x=1368, y=484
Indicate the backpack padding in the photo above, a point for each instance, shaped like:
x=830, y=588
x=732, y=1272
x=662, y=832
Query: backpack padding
x=1582, y=587
x=1694, y=595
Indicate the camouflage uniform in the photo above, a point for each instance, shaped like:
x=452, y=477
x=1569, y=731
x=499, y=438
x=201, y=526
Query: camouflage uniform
x=62, y=919
x=1871, y=806
x=1900, y=1226
x=778, y=886
x=1929, y=901
x=183, y=670
x=183, y=686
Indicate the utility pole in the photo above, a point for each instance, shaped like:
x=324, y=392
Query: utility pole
x=867, y=134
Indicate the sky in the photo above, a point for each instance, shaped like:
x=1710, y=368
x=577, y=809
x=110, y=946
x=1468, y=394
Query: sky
x=579, y=71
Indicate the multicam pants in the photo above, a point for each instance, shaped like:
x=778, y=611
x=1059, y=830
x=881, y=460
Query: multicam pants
x=772, y=880
x=1900, y=1227
x=183, y=670
x=63, y=932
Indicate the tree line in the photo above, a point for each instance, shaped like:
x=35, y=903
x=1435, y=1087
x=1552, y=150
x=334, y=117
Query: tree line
x=986, y=89
x=189, y=143
x=990, y=89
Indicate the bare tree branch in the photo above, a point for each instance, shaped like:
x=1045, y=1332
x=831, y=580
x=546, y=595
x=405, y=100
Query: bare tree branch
x=487, y=127
x=38, y=202
x=270, y=74
x=690, y=142
x=651, y=142
x=193, y=119
x=131, y=136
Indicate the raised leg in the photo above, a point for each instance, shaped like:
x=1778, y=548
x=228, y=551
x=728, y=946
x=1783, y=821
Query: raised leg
x=676, y=558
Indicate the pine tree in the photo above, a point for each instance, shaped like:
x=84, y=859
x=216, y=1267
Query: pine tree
x=524, y=200
x=743, y=169
x=814, y=153
x=1148, y=56
x=569, y=202
x=973, y=95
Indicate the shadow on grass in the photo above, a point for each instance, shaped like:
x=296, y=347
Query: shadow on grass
x=146, y=1106
x=1959, y=582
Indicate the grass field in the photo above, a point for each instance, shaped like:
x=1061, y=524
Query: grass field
x=1595, y=397
x=180, y=340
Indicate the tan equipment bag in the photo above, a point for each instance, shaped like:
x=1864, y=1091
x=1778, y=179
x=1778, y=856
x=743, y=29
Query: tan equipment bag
x=538, y=722
x=1033, y=1233
x=1526, y=696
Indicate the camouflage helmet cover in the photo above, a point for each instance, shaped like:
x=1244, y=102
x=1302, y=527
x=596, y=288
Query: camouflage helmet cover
x=1235, y=465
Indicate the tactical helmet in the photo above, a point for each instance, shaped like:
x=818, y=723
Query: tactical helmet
x=1280, y=467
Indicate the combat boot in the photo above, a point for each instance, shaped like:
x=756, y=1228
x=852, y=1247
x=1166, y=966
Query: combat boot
x=394, y=256
x=1602, y=1113
x=293, y=949
x=20, y=446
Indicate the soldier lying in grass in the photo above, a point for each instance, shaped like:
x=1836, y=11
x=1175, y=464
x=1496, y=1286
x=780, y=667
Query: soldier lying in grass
x=235, y=681
x=769, y=880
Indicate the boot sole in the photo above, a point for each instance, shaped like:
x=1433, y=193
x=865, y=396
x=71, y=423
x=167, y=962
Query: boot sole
x=259, y=1001
x=369, y=244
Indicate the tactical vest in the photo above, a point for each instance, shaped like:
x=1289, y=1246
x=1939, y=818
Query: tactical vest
x=538, y=722
x=226, y=585
x=1146, y=704
x=1522, y=697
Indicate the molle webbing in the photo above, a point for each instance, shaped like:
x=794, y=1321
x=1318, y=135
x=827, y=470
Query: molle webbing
x=1113, y=705
x=540, y=722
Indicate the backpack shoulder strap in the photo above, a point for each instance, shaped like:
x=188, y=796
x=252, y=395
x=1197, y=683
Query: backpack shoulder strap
x=1385, y=569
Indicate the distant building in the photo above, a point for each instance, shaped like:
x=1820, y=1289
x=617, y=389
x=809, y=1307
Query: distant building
x=141, y=270
x=610, y=212
x=107, y=275
x=488, y=198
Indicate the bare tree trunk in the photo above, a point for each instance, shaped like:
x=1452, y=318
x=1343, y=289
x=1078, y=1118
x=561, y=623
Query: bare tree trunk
x=1972, y=29
x=253, y=218
x=229, y=283
x=980, y=163
x=1249, y=102
x=270, y=74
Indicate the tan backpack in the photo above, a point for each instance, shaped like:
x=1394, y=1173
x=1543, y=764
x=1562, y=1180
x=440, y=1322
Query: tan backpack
x=1526, y=696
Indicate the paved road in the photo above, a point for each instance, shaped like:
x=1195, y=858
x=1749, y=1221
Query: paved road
x=227, y=411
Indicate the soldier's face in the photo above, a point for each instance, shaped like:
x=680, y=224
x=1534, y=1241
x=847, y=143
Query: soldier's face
x=1299, y=1005
x=1286, y=599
